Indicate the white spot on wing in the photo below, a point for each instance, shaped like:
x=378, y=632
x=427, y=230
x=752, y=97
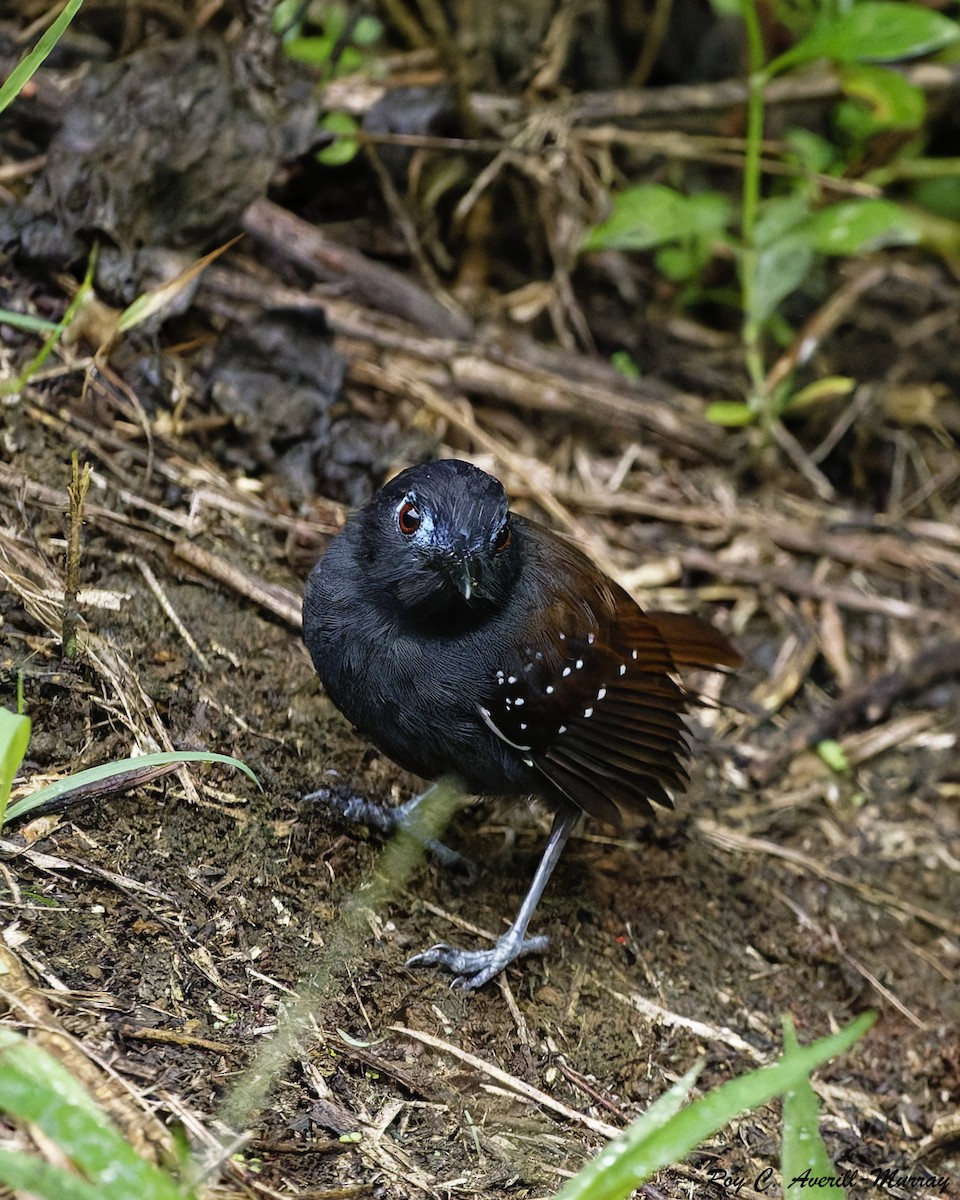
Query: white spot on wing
x=489, y=722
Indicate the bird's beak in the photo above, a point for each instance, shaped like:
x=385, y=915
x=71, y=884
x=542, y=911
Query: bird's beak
x=458, y=562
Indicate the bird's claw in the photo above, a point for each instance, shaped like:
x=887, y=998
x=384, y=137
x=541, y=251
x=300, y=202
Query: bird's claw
x=384, y=819
x=473, y=968
x=355, y=809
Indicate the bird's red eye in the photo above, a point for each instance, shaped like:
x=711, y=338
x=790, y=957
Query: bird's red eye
x=408, y=518
x=503, y=539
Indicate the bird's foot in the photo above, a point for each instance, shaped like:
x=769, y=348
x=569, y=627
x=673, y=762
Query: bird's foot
x=474, y=968
x=384, y=819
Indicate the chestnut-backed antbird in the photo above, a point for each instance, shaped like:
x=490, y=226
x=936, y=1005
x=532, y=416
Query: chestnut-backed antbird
x=465, y=640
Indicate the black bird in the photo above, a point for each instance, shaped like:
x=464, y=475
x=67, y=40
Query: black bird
x=465, y=640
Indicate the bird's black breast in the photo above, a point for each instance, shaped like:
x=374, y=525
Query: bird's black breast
x=414, y=689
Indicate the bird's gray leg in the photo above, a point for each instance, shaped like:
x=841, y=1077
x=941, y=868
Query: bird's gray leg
x=474, y=968
x=385, y=819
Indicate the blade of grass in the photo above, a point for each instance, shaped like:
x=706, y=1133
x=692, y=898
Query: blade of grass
x=28, y=1174
x=23, y=71
x=158, y=298
x=25, y=321
x=53, y=337
x=803, y=1149
x=629, y=1160
x=120, y=767
x=35, y=1087
x=14, y=739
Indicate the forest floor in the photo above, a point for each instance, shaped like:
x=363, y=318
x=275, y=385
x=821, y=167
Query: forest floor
x=171, y=929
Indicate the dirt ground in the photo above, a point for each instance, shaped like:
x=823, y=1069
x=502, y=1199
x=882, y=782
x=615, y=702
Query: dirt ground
x=193, y=934
x=169, y=933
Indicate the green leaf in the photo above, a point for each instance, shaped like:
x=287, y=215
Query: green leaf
x=367, y=31
x=22, y=72
x=779, y=215
x=877, y=31
x=780, y=268
x=311, y=51
x=936, y=234
x=803, y=1156
x=344, y=148
x=80, y=298
x=643, y=1129
x=26, y=321
x=653, y=215
x=680, y=263
x=664, y=1135
x=726, y=8
x=349, y=61
x=833, y=754
x=708, y=213
x=732, y=414
x=120, y=766
x=285, y=15
x=28, y=1173
x=940, y=196
x=14, y=739
x=810, y=150
x=859, y=226
x=624, y=362
x=881, y=99
x=821, y=391
x=641, y=217
x=35, y=1087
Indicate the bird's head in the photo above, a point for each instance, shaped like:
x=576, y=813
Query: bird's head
x=438, y=539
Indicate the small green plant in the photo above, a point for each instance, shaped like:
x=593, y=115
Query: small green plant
x=99, y=1162
x=10, y=89
x=335, y=41
x=781, y=236
x=14, y=739
x=327, y=36
x=833, y=755
x=671, y=1128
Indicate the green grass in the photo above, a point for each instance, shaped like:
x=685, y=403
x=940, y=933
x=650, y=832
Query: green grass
x=671, y=1128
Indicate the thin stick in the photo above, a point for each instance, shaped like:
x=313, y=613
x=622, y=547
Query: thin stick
x=77, y=492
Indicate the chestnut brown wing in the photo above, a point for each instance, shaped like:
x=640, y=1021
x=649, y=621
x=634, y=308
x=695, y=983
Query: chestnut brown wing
x=593, y=700
x=626, y=745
